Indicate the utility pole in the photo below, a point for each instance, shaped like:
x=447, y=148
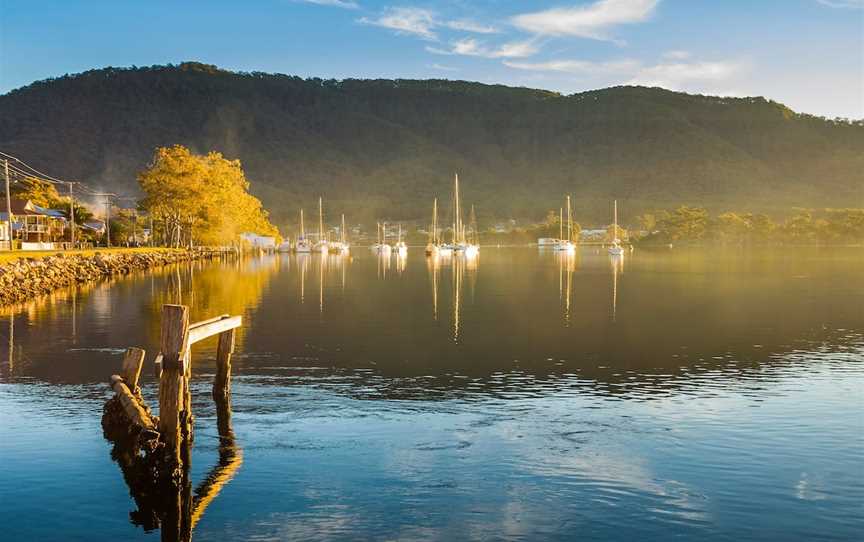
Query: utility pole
x=107, y=196
x=71, y=218
x=107, y=222
x=8, y=204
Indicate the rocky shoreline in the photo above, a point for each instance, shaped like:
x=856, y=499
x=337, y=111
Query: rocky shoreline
x=26, y=278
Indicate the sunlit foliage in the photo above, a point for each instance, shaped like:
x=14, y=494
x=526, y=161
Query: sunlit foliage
x=201, y=200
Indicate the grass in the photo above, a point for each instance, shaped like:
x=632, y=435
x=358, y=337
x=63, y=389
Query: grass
x=7, y=256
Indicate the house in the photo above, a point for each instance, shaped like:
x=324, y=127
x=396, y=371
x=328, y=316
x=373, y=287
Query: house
x=258, y=241
x=37, y=228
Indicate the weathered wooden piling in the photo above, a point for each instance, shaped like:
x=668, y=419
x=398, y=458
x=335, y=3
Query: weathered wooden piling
x=174, y=344
x=222, y=381
x=170, y=499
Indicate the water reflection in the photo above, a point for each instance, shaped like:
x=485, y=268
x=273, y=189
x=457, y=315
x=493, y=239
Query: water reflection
x=172, y=506
x=567, y=264
x=616, y=261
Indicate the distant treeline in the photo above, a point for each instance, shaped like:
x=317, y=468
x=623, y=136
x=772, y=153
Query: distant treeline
x=804, y=226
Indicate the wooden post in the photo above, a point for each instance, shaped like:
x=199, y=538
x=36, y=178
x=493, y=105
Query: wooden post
x=172, y=383
x=132, y=362
x=222, y=382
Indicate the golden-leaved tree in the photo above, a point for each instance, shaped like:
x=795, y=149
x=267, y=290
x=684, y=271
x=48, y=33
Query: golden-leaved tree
x=201, y=200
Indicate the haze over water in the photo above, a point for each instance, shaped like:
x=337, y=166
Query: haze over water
x=523, y=395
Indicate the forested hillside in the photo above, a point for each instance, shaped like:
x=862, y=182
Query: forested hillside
x=385, y=147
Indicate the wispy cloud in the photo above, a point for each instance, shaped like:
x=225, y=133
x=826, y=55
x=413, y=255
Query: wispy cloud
x=691, y=76
x=423, y=22
x=473, y=47
x=578, y=66
x=843, y=4
x=443, y=68
x=414, y=21
x=686, y=75
x=587, y=21
x=471, y=26
x=346, y=4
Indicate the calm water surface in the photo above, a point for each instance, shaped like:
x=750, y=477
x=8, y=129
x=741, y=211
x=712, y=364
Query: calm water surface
x=519, y=396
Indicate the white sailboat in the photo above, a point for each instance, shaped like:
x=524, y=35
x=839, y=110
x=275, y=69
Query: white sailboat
x=381, y=247
x=341, y=246
x=432, y=247
x=321, y=244
x=400, y=247
x=566, y=243
x=460, y=243
x=616, y=249
x=302, y=245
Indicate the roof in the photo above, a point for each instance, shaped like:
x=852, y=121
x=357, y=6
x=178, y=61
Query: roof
x=19, y=207
x=53, y=213
x=95, y=225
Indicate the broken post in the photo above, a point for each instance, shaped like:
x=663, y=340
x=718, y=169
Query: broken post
x=222, y=382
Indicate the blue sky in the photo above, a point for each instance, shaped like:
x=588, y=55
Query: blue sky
x=808, y=54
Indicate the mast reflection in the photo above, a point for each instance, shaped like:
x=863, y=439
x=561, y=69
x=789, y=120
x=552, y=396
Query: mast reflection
x=617, y=262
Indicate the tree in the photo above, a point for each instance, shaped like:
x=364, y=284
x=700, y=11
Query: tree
x=200, y=199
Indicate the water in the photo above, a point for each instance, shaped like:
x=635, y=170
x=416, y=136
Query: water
x=714, y=395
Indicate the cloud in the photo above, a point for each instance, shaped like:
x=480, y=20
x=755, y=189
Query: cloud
x=587, y=21
x=843, y=4
x=415, y=21
x=578, y=66
x=347, y=4
x=473, y=47
x=685, y=75
x=443, y=68
x=421, y=22
x=694, y=76
x=471, y=26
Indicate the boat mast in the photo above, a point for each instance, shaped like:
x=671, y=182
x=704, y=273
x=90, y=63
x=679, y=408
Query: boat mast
x=458, y=228
x=560, y=223
x=320, y=220
x=472, y=225
x=569, y=221
x=615, y=221
x=302, y=229
x=343, y=229
x=435, y=221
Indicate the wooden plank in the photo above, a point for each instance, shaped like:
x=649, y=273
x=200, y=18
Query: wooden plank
x=208, y=321
x=222, y=382
x=216, y=327
x=131, y=406
x=132, y=363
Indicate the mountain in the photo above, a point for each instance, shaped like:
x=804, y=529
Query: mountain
x=385, y=148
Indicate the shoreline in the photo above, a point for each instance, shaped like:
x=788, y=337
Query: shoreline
x=26, y=278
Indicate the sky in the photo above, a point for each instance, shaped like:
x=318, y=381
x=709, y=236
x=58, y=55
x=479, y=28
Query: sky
x=807, y=54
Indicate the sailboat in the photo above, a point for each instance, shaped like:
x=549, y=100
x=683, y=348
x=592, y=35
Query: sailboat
x=460, y=243
x=321, y=244
x=616, y=249
x=400, y=247
x=432, y=247
x=303, y=245
x=341, y=246
x=381, y=247
x=566, y=243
